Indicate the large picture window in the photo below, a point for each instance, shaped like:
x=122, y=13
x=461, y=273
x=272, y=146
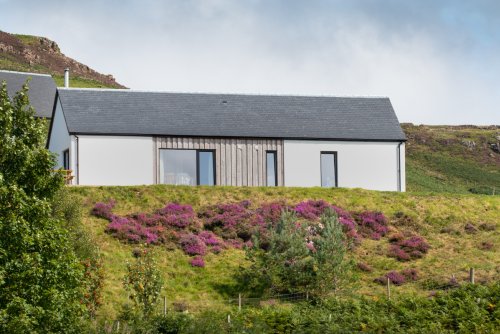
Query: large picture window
x=329, y=169
x=271, y=169
x=187, y=167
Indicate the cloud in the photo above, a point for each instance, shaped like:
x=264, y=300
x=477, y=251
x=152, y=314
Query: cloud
x=436, y=60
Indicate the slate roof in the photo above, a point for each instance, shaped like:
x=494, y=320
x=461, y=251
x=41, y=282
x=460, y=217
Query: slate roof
x=42, y=89
x=128, y=112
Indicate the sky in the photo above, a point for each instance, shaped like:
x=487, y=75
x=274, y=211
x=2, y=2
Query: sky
x=437, y=60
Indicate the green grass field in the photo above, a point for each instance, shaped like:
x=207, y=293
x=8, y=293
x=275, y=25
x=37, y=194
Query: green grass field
x=453, y=250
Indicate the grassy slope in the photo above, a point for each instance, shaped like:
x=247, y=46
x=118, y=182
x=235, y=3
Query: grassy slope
x=438, y=159
x=451, y=253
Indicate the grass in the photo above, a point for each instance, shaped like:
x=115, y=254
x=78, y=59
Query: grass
x=452, y=253
x=452, y=159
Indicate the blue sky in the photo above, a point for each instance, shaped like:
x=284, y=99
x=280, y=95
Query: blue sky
x=438, y=60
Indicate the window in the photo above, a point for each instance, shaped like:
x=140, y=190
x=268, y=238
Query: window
x=206, y=168
x=187, y=167
x=329, y=169
x=271, y=169
x=66, y=159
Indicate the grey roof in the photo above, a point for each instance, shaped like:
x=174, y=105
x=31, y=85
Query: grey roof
x=42, y=89
x=127, y=112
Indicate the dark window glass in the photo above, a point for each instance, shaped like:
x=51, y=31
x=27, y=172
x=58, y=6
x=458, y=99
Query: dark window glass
x=328, y=169
x=271, y=168
x=178, y=167
x=206, y=168
x=66, y=159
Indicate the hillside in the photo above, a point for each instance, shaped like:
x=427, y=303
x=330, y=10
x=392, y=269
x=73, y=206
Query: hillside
x=457, y=159
x=463, y=231
x=25, y=53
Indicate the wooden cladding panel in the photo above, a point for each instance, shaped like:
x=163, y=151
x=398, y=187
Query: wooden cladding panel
x=239, y=162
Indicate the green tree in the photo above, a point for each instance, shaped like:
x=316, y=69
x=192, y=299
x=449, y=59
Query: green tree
x=302, y=256
x=40, y=289
x=144, y=281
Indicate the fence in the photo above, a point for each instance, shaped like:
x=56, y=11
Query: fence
x=239, y=302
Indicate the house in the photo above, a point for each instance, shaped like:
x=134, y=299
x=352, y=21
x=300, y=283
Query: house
x=127, y=137
x=42, y=90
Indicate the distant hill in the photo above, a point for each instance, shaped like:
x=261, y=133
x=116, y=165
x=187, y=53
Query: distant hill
x=35, y=54
x=458, y=159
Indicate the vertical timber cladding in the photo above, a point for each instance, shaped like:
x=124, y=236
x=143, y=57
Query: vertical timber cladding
x=239, y=162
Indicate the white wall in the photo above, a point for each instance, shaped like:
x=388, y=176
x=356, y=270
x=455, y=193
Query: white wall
x=368, y=165
x=113, y=160
x=59, y=136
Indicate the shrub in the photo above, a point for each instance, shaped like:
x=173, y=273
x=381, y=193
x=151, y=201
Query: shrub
x=371, y=224
x=410, y=248
x=209, y=238
x=487, y=227
x=230, y=221
x=144, y=282
x=393, y=276
x=410, y=274
x=104, y=210
x=311, y=209
x=470, y=228
x=128, y=229
x=486, y=245
x=192, y=244
x=177, y=215
x=197, y=261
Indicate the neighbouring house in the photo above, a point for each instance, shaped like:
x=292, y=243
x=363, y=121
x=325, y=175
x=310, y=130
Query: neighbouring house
x=127, y=137
x=42, y=90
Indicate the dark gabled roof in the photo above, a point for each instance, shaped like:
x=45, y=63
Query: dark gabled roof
x=127, y=112
x=42, y=89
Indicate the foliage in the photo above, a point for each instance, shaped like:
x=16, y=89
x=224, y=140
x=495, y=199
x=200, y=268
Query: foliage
x=302, y=257
x=144, y=281
x=372, y=225
x=40, y=276
x=406, y=249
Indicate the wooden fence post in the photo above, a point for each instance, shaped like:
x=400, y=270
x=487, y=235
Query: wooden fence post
x=471, y=275
x=388, y=288
x=239, y=301
x=228, y=318
x=307, y=295
x=164, y=305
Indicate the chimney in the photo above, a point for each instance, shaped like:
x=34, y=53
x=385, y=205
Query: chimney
x=66, y=77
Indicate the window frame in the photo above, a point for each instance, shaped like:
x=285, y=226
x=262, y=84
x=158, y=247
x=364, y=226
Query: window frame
x=198, y=165
x=66, y=159
x=334, y=153
x=275, y=154
x=197, y=162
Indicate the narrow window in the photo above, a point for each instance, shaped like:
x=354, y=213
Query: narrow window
x=271, y=169
x=329, y=169
x=187, y=167
x=66, y=159
x=206, y=168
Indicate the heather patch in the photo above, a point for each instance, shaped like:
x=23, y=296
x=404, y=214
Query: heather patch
x=231, y=225
x=406, y=249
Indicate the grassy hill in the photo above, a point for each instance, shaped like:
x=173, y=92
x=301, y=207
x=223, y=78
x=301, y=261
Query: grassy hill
x=26, y=53
x=458, y=159
x=440, y=218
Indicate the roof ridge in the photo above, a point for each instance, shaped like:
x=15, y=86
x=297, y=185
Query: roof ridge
x=218, y=93
x=28, y=73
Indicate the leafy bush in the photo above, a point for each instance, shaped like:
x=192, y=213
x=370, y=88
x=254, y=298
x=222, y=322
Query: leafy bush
x=144, y=281
x=192, y=244
x=104, y=210
x=372, y=225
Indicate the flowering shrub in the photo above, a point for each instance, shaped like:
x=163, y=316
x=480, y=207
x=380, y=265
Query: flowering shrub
x=406, y=249
x=393, y=276
x=311, y=209
x=197, y=261
x=177, y=215
x=193, y=245
x=130, y=230
x=269, y=213
x=209, y=238
x=229, y=220
x=364, y=267
x=103, y=210
x=372, y=225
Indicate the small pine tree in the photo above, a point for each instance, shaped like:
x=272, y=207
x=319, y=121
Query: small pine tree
x=40, y=276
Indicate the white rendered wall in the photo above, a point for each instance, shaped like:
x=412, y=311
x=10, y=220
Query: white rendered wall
x=368, y=165
x=59, y=136
x=113, y=160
